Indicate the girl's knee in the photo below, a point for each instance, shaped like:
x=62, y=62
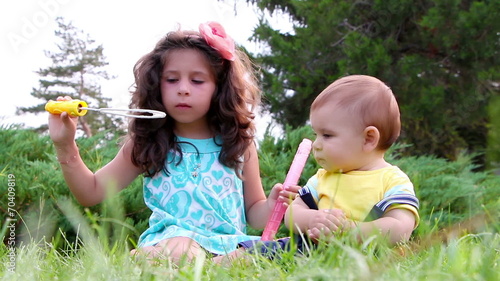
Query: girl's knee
x=178, y=248
x=181, y=246
x=174, y=249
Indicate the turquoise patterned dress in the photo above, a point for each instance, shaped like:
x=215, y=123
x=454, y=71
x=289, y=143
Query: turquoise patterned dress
x=200, y=199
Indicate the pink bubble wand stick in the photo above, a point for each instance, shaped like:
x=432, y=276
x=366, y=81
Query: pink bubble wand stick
x=292, y=178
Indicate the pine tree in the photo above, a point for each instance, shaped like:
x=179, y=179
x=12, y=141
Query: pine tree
x=77, y=70
x=439, y=57
x=493, y=149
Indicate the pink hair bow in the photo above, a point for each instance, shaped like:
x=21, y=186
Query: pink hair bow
x=216, y=37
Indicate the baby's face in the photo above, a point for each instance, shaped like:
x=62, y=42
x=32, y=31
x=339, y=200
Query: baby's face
x=339, y=139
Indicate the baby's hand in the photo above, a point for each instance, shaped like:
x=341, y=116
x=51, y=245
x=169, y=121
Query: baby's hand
x=325, y=223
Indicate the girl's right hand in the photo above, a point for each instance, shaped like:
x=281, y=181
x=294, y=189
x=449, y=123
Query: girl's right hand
x=62, y=128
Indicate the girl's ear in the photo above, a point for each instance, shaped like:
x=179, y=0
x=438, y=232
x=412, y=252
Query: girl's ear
x=372, y=137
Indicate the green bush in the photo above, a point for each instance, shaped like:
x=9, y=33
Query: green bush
x=276, y=156
x=40, y=186
x=449, y=191
x=493, y=148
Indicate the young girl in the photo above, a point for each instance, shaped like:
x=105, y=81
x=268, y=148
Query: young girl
x=200, y=163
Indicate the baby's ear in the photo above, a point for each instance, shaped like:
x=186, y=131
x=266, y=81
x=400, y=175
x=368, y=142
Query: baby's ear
x=372, y=137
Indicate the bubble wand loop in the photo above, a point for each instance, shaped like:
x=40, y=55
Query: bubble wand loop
x=79, y=108
x=292, y=178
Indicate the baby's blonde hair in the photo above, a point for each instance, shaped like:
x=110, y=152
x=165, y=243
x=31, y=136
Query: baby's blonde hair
x=370, y=99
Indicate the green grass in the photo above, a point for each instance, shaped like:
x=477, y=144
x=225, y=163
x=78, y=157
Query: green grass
x=101, y=252
x=472, y=257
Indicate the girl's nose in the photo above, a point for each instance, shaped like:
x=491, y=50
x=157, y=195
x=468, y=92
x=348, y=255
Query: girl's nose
x=183, y=88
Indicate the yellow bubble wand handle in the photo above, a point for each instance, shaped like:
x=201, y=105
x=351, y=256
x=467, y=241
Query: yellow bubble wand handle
x=79, y=108
x=72, y=107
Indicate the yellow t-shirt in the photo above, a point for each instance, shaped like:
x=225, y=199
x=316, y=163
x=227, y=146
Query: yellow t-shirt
x=364, y=195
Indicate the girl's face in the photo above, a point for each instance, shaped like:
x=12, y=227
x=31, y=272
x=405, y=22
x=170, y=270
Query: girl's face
x=339, y=139
x=187, y=87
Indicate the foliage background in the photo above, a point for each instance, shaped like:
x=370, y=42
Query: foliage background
x=77, y=70
x=440, y=58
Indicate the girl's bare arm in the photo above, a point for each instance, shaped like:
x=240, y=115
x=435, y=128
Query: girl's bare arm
x=254, y=196
x=89, y=188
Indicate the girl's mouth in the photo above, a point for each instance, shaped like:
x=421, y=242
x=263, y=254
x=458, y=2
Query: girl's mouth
x=183, y=105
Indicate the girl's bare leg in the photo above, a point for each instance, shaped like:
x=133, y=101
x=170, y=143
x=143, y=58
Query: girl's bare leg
x=238, y=254
x=174, y=249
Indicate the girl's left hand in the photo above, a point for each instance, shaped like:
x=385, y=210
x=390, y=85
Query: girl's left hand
x=284, y=195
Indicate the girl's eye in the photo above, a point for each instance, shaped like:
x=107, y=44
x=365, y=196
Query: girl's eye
x=197, y=81
x=171, y=80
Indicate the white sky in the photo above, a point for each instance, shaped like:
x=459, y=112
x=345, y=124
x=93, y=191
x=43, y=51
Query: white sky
x=126, y=29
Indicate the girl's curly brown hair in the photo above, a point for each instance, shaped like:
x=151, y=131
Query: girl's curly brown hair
x=230, y=115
